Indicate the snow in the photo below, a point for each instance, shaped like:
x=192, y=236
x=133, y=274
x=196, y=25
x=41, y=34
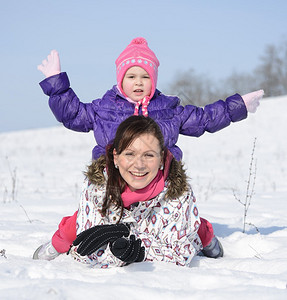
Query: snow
x=47, y=165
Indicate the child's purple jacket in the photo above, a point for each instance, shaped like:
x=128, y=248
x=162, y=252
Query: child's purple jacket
x=104, y=115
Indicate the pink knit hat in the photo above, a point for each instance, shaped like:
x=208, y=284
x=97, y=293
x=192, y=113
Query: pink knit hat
x=137, y=53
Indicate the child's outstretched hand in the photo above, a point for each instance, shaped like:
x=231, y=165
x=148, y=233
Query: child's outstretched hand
x=51, y=65
x=251, y=100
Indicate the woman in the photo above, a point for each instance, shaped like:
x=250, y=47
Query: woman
x=136, y=205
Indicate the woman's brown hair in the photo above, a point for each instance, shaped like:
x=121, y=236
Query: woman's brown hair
x=127, y=132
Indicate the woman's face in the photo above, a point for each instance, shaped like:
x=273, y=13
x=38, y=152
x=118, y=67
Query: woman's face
x=139, y=163
x=136, y=83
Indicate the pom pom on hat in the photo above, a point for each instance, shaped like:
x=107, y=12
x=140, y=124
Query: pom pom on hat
x=139, y=40
x=137, y=53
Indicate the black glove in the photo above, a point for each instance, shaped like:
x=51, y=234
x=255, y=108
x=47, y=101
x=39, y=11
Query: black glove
x=128, y=250
x=94, y=238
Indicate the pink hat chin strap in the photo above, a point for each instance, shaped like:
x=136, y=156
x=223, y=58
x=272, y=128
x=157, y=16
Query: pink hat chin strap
x=144, y=102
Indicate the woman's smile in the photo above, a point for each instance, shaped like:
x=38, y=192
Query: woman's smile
x=138, y=174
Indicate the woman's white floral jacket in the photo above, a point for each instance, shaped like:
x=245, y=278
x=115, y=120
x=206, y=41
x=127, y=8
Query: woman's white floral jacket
x=167, y=227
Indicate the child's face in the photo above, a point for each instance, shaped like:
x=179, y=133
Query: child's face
x=136, y=83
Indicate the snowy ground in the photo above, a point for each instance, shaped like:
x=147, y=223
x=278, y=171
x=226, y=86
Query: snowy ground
x=46, y=166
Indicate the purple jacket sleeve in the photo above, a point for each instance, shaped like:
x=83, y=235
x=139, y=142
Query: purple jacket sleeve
x=213, y=117
x=65, y=104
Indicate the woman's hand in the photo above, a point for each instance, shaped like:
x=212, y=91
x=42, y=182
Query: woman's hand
x=128, y=250
x=251, y=100
x=94, y=238
x=51, y=65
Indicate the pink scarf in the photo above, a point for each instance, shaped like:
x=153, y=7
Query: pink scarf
x=151, y=190
x=144, y=102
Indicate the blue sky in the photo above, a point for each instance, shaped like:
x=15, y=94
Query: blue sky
x=212, y=37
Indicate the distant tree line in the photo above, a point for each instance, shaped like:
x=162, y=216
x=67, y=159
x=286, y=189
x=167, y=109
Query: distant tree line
x=270, y=75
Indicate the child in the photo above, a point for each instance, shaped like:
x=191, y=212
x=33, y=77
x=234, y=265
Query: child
x=136, y=93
